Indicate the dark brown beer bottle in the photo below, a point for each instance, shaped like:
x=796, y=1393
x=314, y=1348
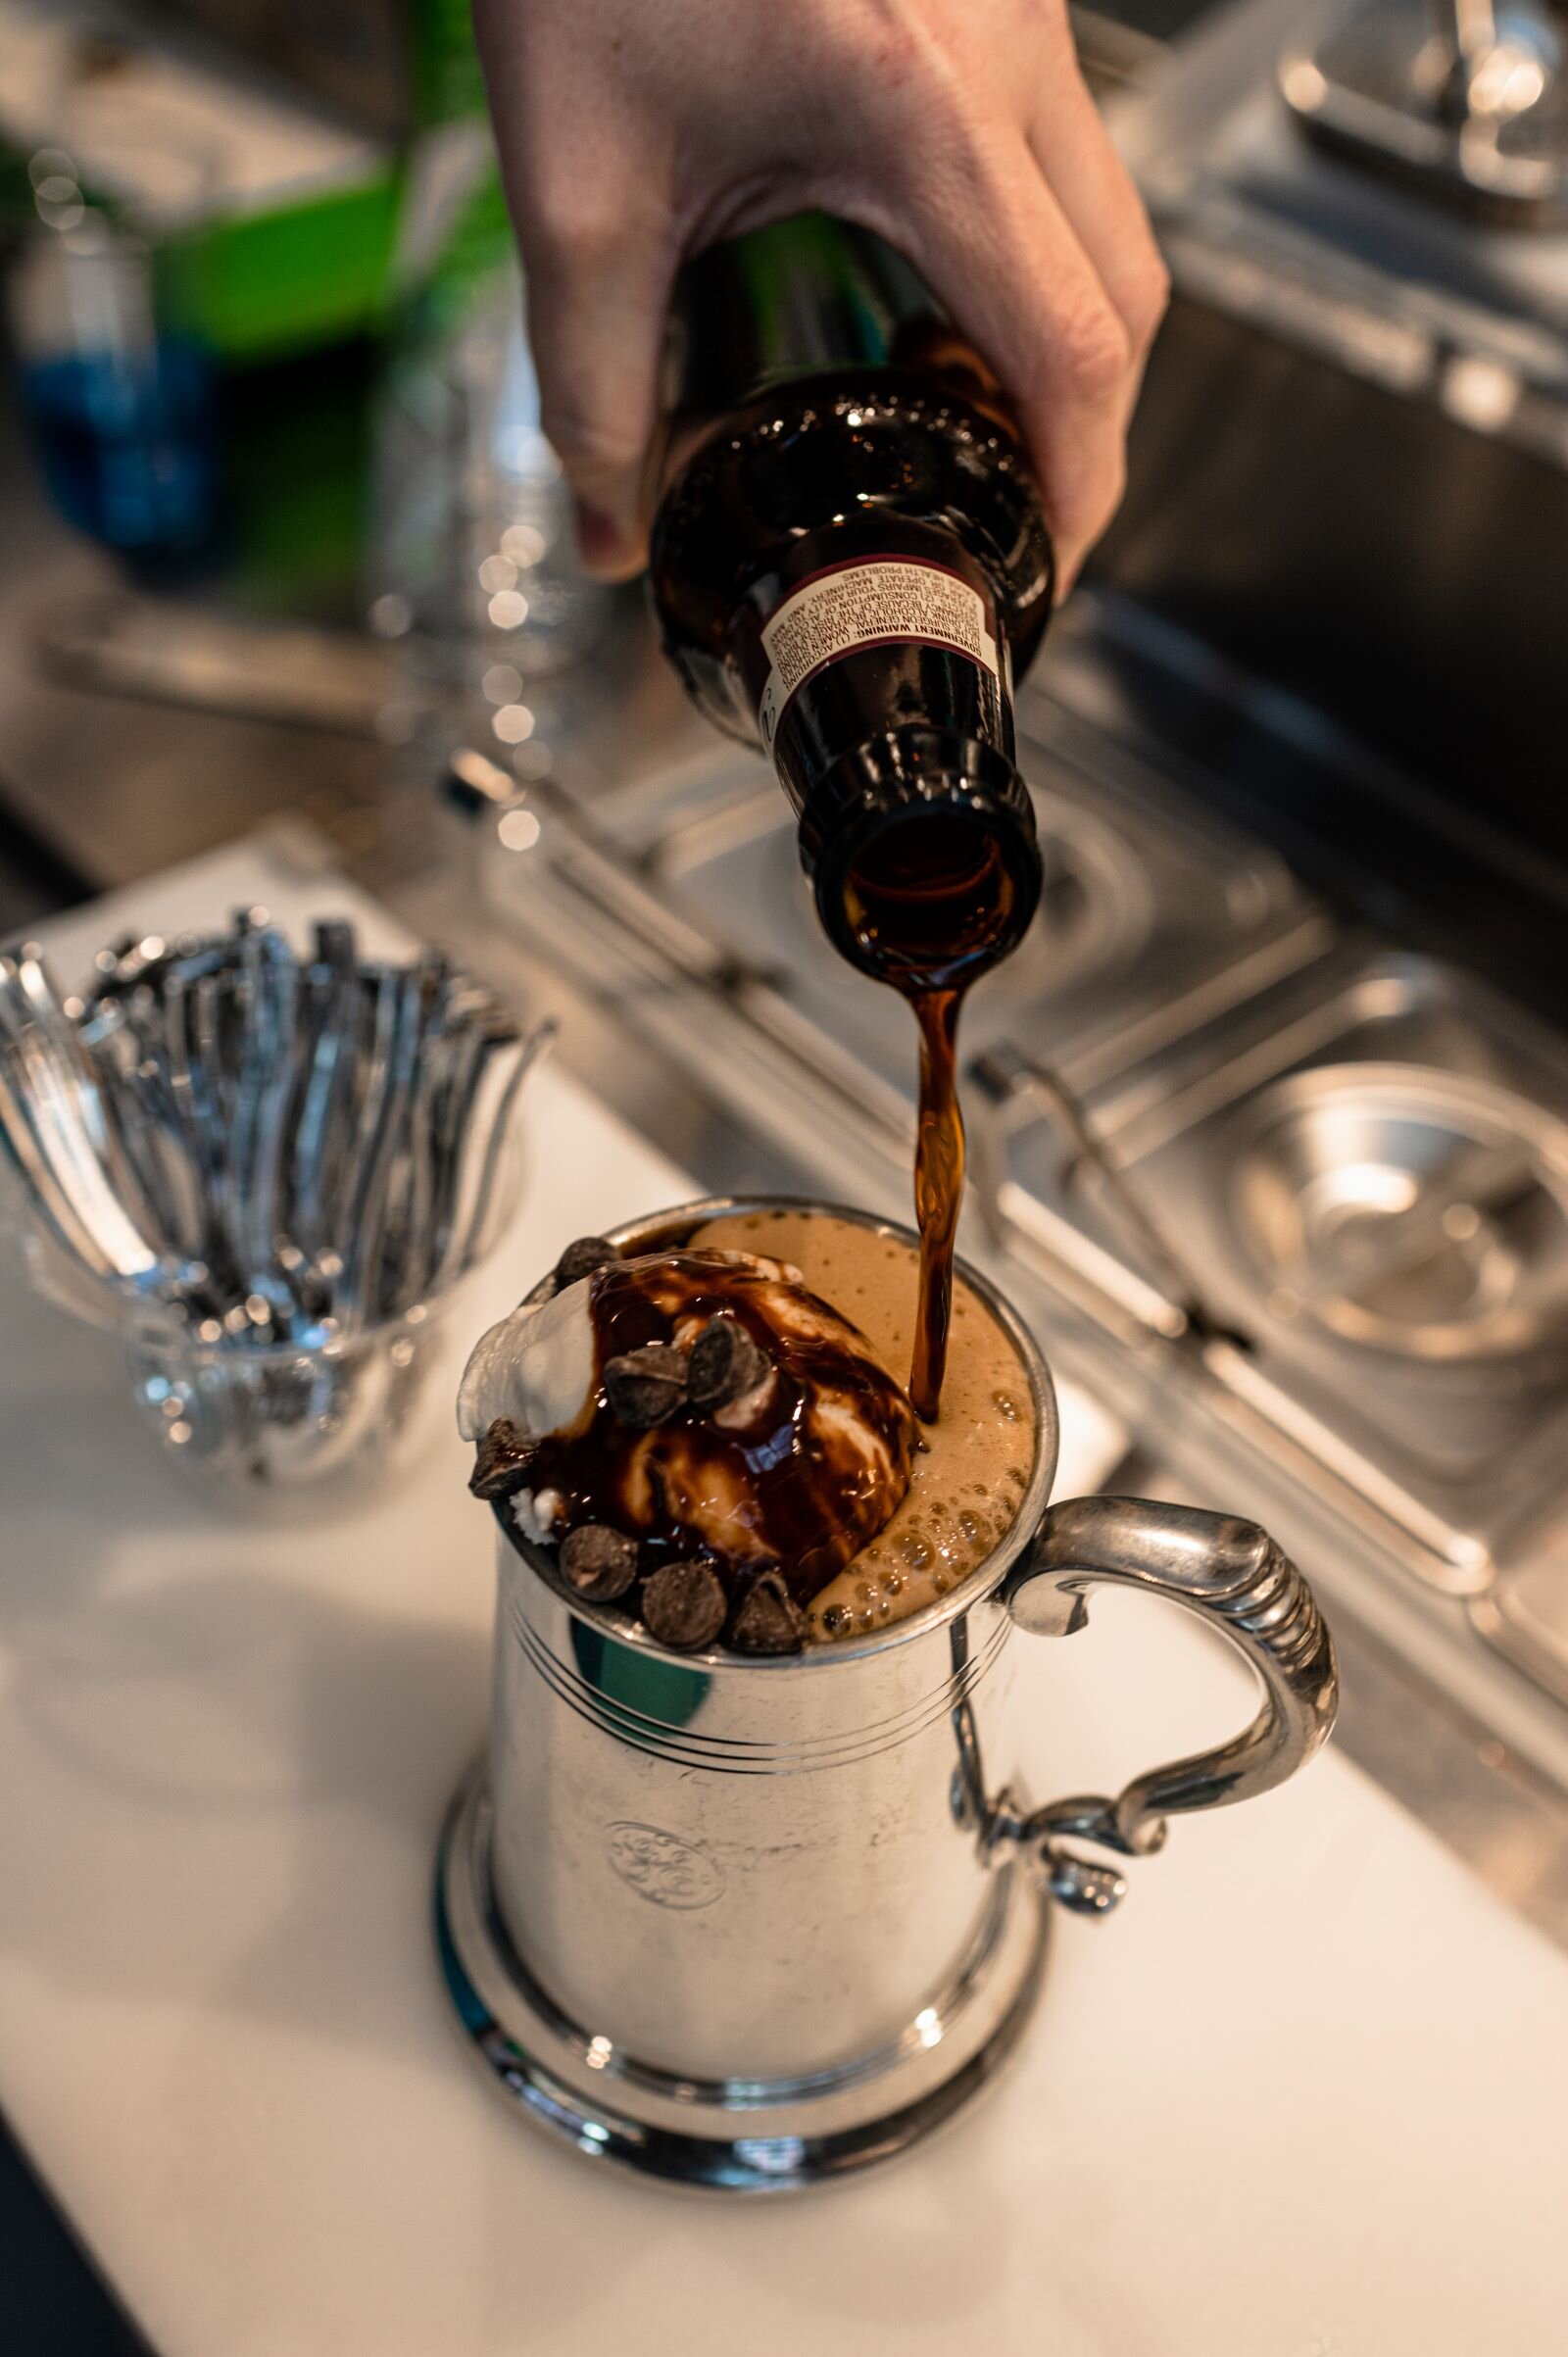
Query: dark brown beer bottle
x=850, y=564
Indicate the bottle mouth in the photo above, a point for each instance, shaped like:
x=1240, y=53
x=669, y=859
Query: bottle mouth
x=921, y=852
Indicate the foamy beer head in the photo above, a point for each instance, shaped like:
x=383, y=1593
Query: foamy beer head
x=717, y=1440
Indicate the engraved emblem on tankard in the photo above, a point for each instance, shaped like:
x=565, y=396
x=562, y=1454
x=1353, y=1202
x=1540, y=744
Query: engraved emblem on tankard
x=663, y=1868
x=846, y=1939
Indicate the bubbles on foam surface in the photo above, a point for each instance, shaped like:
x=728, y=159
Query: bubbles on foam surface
x=927, y=1564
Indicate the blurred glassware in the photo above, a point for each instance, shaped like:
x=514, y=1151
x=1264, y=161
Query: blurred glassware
x=267, y=1174
x=474, y=574
x=283, y=1415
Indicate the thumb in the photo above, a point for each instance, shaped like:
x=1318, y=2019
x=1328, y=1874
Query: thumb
x=597, y=306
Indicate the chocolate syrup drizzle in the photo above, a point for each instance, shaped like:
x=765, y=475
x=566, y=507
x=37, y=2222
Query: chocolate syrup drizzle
x=802, y=1473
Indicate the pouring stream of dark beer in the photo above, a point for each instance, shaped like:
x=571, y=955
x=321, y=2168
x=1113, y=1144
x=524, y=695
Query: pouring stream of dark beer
x=938, y=1191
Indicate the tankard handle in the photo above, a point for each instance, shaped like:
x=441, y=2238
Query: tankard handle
x=1233, y=1576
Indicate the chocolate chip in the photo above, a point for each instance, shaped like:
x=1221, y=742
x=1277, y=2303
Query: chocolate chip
x=598, y=1563
x=501, y=1460
x=646, y=1387
x=767, y=1619
x=581, y=1259
x=684, y=1604
x=724, y=1362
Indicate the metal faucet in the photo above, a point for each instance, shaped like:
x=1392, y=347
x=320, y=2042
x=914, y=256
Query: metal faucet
x=1492, y=68
x=1461, y=98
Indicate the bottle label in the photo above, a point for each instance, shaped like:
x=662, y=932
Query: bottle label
x=867, y=602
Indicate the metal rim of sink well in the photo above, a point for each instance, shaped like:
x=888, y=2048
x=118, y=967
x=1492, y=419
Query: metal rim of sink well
x=764, y=2137
x=1416, y=1211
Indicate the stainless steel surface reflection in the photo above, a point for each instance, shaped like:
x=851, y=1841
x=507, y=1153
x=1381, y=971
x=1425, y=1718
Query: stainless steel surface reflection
x=1414, y=1210
x=1368, y=1173
x=750, y=1923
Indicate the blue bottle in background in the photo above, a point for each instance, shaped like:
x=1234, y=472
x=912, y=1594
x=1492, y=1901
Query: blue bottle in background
x=123, y=417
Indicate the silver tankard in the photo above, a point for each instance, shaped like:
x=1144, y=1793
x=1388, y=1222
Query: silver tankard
x=753, y=1923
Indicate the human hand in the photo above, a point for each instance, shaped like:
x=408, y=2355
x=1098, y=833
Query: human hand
x=634, y=133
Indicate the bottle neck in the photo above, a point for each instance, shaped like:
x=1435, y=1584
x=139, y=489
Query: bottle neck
x=921, y=852
x=880, y=684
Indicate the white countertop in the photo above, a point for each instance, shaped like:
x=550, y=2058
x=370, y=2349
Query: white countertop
x=1306, y=2095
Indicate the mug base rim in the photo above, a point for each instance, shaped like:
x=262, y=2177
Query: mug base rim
x=743, y=2137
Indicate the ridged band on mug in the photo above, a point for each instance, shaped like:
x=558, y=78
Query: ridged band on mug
x=735, y=1756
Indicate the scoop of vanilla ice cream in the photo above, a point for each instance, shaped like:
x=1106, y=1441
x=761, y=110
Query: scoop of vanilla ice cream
x=536, y=1366
x=799, y=1467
